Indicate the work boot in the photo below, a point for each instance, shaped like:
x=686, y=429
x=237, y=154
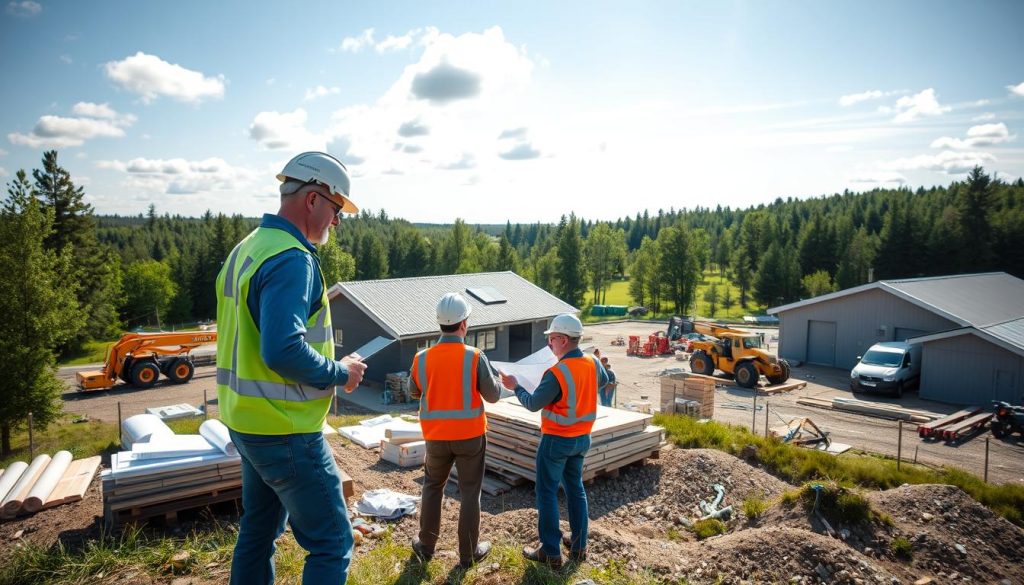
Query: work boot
x=420, y=551
x=537, y=555
x=482, y=550
x=575, y=556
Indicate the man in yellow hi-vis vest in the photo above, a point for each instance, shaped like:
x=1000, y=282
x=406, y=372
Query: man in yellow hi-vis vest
x=276, y=377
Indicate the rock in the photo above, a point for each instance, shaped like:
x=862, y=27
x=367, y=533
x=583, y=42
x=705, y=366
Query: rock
x=585, y=582
x=17, y=535
x=924, y=581
x=926, y=517
x=960, y=548
x=822, y=572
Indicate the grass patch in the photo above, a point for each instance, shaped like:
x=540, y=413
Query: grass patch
x=92, y=352
x=799, y=465
x=708, y=527
x=836, y=502
x=902, y=548
x=674, y=534
x=617, y=293
x=754, y=507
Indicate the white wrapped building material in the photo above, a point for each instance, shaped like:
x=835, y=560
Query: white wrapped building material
x=16, y=497
x=217, y=434
x=143, y=428
x=47, y=482
x=10, y=477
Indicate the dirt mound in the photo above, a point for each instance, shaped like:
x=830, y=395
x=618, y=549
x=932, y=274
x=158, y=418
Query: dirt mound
x=951, y=535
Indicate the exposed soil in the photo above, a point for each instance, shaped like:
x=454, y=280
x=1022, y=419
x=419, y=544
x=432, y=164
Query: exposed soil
x=639, y=517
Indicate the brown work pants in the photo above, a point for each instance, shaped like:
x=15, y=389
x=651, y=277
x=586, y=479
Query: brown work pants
x=468, y=457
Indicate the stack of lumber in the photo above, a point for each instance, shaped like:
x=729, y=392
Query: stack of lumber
x=619, y=437
x=680, y=391
x=396, y=388
x=45, y=483
x=876, y=409
x=171, y=473
x=760, y=388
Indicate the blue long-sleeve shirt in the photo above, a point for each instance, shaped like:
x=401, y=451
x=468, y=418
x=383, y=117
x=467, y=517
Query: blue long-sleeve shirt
x=549, y=390
x=283, y=294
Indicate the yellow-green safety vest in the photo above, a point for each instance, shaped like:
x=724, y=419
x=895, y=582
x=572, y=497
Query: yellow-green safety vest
x=252, y=397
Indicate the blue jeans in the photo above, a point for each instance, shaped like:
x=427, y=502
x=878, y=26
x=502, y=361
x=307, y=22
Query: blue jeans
x=290, y=478
x=604, y=395
x=560, y=460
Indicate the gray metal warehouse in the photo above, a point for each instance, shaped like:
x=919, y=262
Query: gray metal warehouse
x=508, y=320
x=971, y=328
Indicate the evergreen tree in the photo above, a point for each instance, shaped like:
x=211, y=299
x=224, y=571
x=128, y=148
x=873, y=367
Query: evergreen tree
x=711, y=298
x=38, y=312
x=975, y=204
x=336, y=264
x=604, y=247
x=643, y=271
x=572, y=284
x=678, y=267
x=507, y=257
x=74, y=228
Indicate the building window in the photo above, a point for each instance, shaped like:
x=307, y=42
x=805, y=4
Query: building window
x=338, y=337
x=425, y=343
x=484, y=340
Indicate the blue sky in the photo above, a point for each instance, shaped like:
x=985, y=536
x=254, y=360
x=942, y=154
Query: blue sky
x=518, y=111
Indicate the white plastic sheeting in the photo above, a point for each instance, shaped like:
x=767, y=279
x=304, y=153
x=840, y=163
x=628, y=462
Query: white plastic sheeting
x=47, y=481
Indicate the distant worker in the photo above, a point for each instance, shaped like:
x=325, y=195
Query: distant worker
x=607, y=392
x=276, y=377
x=567, y=399
x=451, y=380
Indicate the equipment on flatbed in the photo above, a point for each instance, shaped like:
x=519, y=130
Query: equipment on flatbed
x=1008, y=419
x=733, y=351
x=140, y=358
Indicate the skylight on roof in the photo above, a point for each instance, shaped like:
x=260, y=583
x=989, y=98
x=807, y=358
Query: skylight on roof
x=487, y=295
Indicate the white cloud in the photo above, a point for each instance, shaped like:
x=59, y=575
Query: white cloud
x=849, y=100
x=522, y=151
x=413, y=128
x=948, y=161
x=66, y=59
x=321, y=91
x=95, y=121
x=277, y=130
x=178, y=176
x=922, y=104
x=513, y=133
x=468, y=161
x=94, y=110
x=26, y=9
x=879, y=178
x=152, y=77
x=1017, y=90
x=356, y=44
x=983, y=117
x=981, y=135
x=393, y=43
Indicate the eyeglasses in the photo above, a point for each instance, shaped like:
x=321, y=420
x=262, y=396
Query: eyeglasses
x=338, y=213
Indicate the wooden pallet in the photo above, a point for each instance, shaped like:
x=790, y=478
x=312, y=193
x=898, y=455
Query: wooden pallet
x=933, y=428
x=169, y=510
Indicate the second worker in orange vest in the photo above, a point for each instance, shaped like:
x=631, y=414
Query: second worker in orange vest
x=451, y=381
x=567, y=399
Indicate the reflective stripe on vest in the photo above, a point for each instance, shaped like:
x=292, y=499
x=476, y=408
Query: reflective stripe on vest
x=253, y=398
x=467, y=411
x=572, y=422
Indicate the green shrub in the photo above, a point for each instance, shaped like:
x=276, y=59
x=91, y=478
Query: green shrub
x=902, y=548
x=708, y=527
x=754, y=507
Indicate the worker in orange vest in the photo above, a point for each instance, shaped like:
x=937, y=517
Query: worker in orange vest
x=451, y=380
x=567, y=399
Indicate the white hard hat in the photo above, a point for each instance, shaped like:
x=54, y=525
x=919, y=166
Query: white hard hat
x=452, y=309
x=325, y=170
x=566, y=324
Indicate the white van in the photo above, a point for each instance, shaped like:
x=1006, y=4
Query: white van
x=890, y=367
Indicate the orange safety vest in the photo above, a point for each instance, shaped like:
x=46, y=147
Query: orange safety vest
x=451, y=408
x=575, y=412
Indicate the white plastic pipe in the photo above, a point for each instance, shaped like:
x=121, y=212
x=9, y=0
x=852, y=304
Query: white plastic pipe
x=47, y=482
x=13, y=501
x=10, y=477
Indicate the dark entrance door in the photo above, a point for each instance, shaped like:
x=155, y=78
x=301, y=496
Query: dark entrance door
x=519, y=337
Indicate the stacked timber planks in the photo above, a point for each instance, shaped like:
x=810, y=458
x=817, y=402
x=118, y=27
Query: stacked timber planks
x=876, y=409
x=679, y=391
x=135, y=489
x=619, y=437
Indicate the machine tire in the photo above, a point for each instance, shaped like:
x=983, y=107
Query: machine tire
x=746, y=375
x=998, y=430
x=181, y=371
x=784, y=366
x=145, y=374
x=701, y=363
x=898, y=392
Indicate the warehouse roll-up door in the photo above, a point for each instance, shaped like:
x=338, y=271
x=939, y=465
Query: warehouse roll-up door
x=821, y=343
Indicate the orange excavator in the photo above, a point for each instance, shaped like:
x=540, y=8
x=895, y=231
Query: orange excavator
x=140, y=358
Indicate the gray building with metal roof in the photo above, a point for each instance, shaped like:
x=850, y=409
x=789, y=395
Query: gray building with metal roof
x=971, y=328
x=508, y=320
